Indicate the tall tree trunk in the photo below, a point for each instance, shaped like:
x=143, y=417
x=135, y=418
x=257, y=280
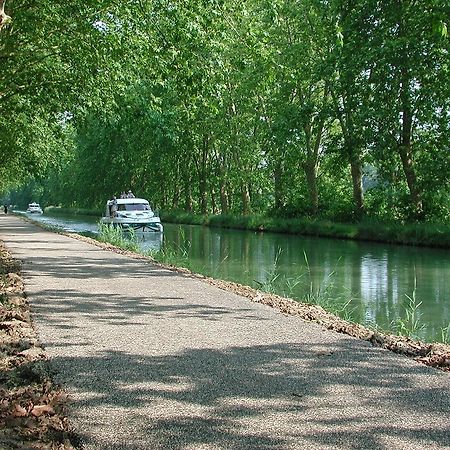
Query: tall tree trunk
x=278, y=186
x=176, y=198
x=212, y=197
x=223, y=197
x=224, y=201
x=358, y=195
x=405, y=147
x=310, y=166
x=310, y=169
x=188, y=202
x=353, y=153
x=203, y=181
x=203, y=196
x=245, y=196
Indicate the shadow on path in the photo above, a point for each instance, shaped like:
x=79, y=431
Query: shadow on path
x=262, y=397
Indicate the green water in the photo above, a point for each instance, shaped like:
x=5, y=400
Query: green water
x=374, y=279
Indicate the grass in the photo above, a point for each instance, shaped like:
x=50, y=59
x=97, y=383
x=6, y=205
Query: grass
x=445, y=334
x=410, y=324
x=125, y=239
x=320, y=295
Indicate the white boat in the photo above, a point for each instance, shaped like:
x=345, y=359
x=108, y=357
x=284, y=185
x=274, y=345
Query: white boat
x=131, y=213
x=34, y=208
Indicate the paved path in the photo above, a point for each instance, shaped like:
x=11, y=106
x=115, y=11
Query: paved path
x=158, y=360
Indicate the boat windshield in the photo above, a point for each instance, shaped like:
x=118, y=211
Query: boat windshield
x=134, y=207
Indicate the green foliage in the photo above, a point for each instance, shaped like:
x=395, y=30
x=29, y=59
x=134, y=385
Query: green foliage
x=216, y=108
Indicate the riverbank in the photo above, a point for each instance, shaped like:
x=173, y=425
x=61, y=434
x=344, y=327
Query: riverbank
x=17, y=424
x=432, y=354
x=328, y=273
x=415, y=234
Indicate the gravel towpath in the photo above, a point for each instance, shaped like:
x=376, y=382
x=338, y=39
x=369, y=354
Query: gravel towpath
x=154, y=359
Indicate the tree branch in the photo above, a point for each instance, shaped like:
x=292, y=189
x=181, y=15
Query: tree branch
x=4, y=18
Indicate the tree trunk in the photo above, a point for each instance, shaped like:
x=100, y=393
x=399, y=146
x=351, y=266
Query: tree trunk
x=203, y=182
x=358, y=195
x=223, y=197
x=278, y=186
x=405, y=147
x=410, y=175
x=188, y=202
x=310, y=166
x=245, y=195
x=224, y=200
x=203, y=196
x=176, y=198
x=212, y=197
x=311, y=179
x=352, y=149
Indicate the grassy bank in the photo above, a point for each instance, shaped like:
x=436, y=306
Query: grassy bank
x=420, y=234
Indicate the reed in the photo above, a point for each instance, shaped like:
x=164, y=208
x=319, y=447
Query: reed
x=177, y=255
x=309, y=292
x=410, y=324
x=270, y=282
x=445, y=334
x=125, y=239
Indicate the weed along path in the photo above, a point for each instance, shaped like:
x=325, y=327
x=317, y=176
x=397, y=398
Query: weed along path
x=154, y=359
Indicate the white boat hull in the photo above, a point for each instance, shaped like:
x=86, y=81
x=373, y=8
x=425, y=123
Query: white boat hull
x=152, y=224
x=131, y=213
x=34, y=209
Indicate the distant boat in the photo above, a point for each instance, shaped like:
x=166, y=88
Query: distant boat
x=34, y=208
x=131, y=213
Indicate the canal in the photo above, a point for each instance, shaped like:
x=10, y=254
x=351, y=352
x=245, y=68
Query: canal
x=371, y=283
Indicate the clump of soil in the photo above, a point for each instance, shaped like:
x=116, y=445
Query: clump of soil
x=32, y=407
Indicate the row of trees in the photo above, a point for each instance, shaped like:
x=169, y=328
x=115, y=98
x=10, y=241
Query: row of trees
x=329, y=108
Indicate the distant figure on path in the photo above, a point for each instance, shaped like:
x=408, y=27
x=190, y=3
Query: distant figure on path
x=5, y=208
